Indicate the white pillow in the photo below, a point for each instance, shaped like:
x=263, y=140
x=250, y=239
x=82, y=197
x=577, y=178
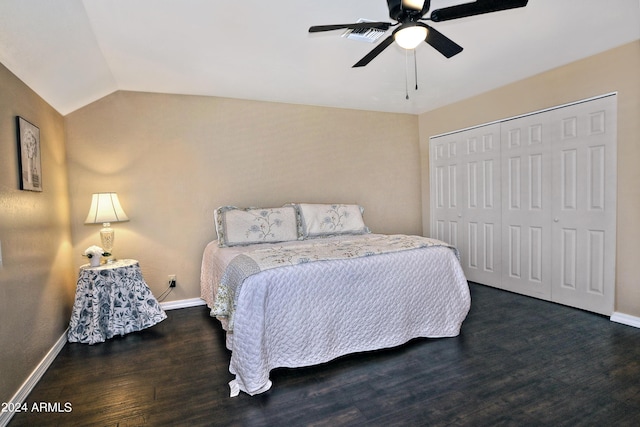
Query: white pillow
x=328, y=220
x=237, y=226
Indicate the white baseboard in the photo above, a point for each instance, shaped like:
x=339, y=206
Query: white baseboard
x=626, y=319
x=26, y=387
x=183, y=303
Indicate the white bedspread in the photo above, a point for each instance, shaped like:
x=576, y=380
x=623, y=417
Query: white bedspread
x=311, y=313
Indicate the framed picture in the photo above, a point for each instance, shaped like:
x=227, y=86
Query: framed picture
x=29, y=155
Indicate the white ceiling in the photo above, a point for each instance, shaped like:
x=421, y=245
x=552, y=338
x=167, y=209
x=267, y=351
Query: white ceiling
x=73, y=52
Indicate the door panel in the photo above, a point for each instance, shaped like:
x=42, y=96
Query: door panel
x=584, y=150
x=465, y=199
x=444, y=197
x=480, y=208
x=526, y=180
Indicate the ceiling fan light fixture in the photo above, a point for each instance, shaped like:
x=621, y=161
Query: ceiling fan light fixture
x=409, y=37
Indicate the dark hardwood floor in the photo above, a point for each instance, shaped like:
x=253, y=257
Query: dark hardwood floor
x=518, y=361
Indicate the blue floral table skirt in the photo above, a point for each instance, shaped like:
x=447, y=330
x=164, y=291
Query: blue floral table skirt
x=112, y=299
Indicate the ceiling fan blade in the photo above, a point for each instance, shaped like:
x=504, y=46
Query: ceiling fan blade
x=425, y=7
x=377, y=25
x=477, y=8
x=442, y=43
x=375, y=52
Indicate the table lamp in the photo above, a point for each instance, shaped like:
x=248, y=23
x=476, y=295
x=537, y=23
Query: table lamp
x=105, y=208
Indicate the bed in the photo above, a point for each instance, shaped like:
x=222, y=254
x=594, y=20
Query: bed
x=304, y=284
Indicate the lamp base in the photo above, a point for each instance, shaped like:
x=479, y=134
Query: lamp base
x=107, y=236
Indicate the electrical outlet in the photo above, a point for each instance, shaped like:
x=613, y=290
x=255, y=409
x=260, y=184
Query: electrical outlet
x=172, y=280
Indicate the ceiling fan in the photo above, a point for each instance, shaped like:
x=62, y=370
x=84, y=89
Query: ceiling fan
x=409, y=15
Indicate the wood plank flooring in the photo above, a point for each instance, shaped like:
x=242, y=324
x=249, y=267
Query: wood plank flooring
x=518, y=361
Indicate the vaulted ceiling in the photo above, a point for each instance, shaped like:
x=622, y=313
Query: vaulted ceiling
x=73, y=52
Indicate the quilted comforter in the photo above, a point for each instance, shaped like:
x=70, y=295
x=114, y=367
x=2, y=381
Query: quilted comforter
x=310, y=312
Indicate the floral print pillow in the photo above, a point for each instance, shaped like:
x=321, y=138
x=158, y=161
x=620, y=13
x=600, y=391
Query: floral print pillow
x=328, y=220
x=237, y=226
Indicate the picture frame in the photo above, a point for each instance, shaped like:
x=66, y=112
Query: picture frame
x=29, y=155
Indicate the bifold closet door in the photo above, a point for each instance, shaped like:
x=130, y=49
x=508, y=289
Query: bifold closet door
x=526, y=205
x=479, y=186
x=584, y=209
x=530, y=202
x=444, y=200
x=466, y=200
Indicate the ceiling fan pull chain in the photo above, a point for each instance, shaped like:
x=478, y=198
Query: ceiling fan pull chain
x=415, y=66
x=406, y=73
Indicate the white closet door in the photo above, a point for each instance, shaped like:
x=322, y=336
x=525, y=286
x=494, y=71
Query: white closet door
x=584, y=209
x=479, y=187
x=443, y=195
x=465, y=199
x=526, y=207
x=530, y=202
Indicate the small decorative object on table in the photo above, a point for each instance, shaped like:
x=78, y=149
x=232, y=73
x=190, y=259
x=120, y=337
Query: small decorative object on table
x=94, y=253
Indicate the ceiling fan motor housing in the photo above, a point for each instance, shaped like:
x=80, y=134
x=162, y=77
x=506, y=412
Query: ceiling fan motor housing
x=402, y=14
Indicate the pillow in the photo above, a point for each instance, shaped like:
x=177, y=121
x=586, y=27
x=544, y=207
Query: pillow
x=237, y=226
x=329, y=220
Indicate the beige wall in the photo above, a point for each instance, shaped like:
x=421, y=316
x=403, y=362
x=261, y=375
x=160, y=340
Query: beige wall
x=173, y=159
x=37, y=277
x=617, y=70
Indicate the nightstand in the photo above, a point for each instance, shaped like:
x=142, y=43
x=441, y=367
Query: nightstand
x=112, y=299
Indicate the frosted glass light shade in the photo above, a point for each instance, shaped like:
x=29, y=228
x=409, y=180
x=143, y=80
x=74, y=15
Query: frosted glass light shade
x=411, y=36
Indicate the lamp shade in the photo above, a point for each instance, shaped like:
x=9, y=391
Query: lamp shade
x=105, y=207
